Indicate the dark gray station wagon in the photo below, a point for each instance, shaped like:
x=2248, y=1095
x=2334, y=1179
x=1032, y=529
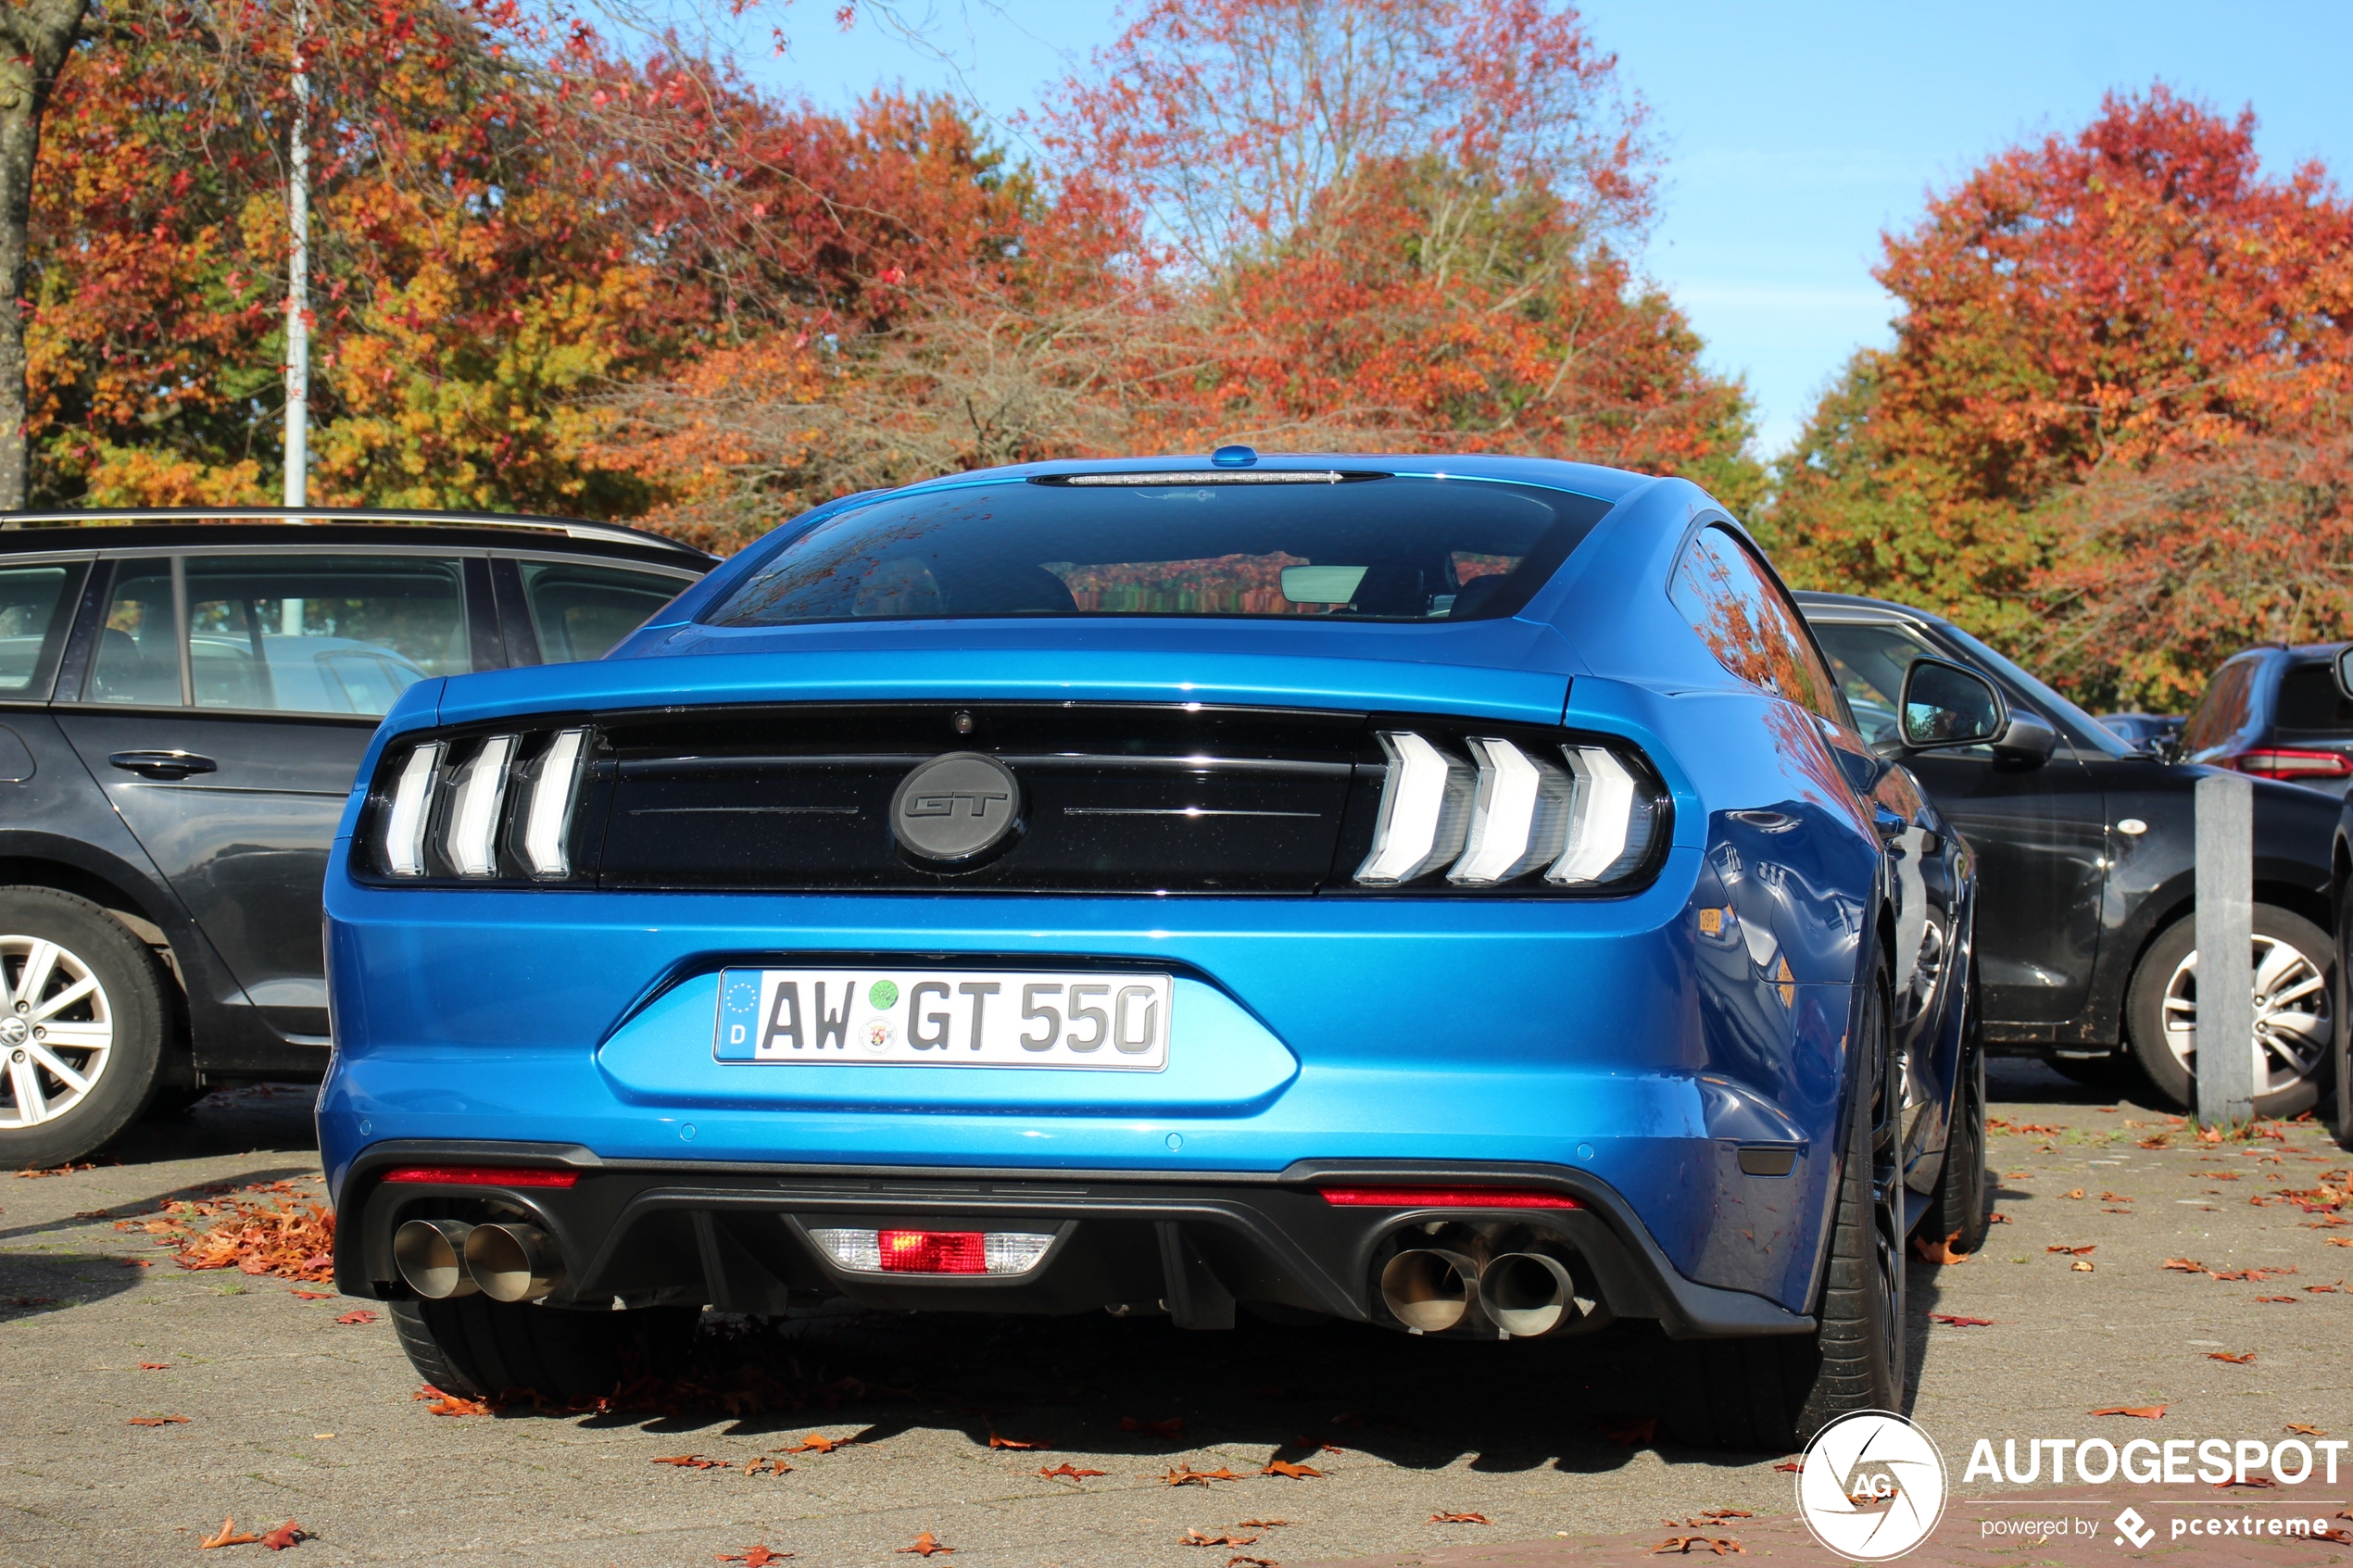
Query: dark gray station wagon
x=184, y=697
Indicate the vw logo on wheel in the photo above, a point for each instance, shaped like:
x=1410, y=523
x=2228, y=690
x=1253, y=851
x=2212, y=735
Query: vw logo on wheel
x=956, y=807
x=1871, y=1487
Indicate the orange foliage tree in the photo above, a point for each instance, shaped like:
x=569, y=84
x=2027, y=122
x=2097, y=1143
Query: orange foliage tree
x=2081, y=318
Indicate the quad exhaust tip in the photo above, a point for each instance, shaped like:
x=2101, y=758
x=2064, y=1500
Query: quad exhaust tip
x=1428, y=1289
x=1521, y=1295
x=441, y=1259
x=430, y=1255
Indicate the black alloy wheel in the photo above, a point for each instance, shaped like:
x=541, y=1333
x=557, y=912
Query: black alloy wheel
x=1957, y=1210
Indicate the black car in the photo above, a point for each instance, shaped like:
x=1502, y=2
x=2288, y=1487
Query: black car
x=2085, y=941
x=2275, y=712
x=184, y=697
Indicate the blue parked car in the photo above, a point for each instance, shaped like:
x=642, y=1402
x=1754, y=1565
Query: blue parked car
x=1444, y=893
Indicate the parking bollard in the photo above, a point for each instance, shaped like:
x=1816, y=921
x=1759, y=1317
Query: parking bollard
x=2225, y=892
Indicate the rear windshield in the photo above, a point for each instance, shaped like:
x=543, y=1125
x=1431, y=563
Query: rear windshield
x=1375, y=547
x=2311, y=704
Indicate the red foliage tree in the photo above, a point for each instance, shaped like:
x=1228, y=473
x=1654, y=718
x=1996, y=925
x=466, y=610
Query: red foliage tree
x=2074, y=312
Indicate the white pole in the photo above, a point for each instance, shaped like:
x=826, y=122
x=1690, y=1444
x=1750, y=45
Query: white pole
x=2226, y=894
x=298, y=277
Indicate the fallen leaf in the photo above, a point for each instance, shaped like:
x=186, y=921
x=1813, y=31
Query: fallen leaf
x=1269, y=1563
x=1168, y=1428
x=817, y=1443
x=691, y=1462
x=2147, y=1413
x=2289, y=1300
x=2185, y=1265
x=771, y=1466
x=1263, y=1525
x=155, y=1366
x=1460, y=1519
x=227, y=1536
x=2077, y=1193
x=1950, y=1320
x=927, y=1544
x=1014, y=1443
x=2259, y=1481
x=1792, y=1467
x=2338, y=1240
x=758, y=1557
x=1689, y=1544
x=1065, y=1470
x=157, y=1421
x=2310, y=1432
x=312, y=1295
x=286, y=1534
x=1997, y=1219
x=363, y=1315
x=1315, y=1445
x=2074, y=1251
x=2082, y=1266
x=1939, y=1252
x=1718, y=1516
x=1186, y=1475
x=2160, y=1141
x=1285, y=1467
x=1195, y=1538
x=2239, y=1358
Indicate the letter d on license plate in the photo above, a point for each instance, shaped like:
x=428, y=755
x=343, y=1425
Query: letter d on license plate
x=945, y=1018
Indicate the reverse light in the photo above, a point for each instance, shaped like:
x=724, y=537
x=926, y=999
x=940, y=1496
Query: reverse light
x=1446, y=1197
x=2291, y=764
x=933, y=1252
x=483, y=1176
x=473, y=810
x=1425, y=810
x=550, y=819
x=412, y=805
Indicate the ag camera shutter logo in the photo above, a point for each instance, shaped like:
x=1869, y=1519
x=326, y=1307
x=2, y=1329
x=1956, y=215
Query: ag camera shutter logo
x=1872, y=1487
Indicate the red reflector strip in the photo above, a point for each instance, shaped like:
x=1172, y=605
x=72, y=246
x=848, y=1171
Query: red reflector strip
x=1447, y=1198
x=933, y=1252
x=483, y=1175
x=2285, y=764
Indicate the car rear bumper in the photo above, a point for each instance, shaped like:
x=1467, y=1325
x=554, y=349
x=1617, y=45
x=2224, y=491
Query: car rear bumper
x=735, y=1235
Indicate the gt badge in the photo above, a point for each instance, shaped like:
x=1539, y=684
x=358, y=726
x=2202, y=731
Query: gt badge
x=955, y=809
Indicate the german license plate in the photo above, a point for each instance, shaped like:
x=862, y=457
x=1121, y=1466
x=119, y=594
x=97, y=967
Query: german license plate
x=945, y=1018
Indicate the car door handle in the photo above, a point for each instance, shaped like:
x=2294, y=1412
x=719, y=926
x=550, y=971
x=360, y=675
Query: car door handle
x=163, y=764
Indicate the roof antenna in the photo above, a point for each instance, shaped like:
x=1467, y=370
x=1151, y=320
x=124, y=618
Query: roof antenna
x=1234, y=457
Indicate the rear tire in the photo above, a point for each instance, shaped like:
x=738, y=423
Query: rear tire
x=99, y=1007
x=1772, y=1395
x=1959, y=1204
x=2163, y=996
x=482, y=1348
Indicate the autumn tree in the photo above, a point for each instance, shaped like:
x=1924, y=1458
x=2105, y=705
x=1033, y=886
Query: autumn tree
x=2085, y=311
x=35, y=37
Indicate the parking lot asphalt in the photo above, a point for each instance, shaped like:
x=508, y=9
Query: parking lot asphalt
x=292, y=1413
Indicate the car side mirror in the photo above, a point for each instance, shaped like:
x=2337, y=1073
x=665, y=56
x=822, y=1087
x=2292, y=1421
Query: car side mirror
x=1944, y=706
x=2025, y=742
x=2345, y=669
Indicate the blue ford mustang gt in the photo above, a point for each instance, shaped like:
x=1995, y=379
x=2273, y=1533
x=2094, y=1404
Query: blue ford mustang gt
x=1448, y=894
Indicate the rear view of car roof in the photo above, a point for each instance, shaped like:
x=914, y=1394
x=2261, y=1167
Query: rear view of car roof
x=147, y=527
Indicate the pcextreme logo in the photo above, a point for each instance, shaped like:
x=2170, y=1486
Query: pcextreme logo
x=1871, y=1487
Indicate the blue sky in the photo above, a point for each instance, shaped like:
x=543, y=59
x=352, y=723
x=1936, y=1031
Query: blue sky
x=1793, y=134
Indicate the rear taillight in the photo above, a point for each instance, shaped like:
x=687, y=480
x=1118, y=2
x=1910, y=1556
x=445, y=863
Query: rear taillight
x=2282, y=762
x=483, y=1176
x=1564, y=815
x=494, y=807
x=933, y=1252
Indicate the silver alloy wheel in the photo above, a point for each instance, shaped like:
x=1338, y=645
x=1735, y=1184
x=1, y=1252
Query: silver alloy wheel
x=2293, y=1026
x=57, y=1031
